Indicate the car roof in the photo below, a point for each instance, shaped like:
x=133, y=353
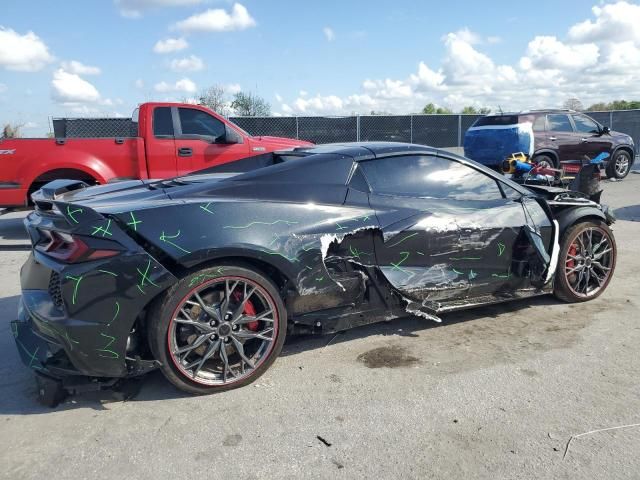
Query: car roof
x=360, y=151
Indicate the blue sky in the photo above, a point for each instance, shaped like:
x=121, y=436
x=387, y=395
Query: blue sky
x=100, y=57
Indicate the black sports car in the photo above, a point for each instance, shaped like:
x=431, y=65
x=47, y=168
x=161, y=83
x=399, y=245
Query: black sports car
x=202, y=276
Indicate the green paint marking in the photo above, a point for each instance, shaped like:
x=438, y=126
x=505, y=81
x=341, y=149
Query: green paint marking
x=356, y=253
x=501, y=275
x=70, y=340
x=472, y=275
x=108, y=273
x=116, y=314
x=291, y=259
x=456, y=271
x=396, y=266
x=105, y=349
x=420, y=253
x=71, y=213
x=501, y=248
x=32, y=356
x=275, y=239
x=205, y=276
x=319, y=279
x=260, y=223
x=465, y=258
x=164, y=237
x=308, y=267
x=77, y=281
x=365, y=218
x=308, y=246
x=14, y=330
x=134, y=223
x=141, y=290
x=340, y=227
x=402, y=240
x=206, y=208
x=103, y=229
x=144, y=277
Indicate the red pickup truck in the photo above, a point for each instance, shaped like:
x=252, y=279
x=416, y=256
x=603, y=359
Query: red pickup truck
x=173, y=139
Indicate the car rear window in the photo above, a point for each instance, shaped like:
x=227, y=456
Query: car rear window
x=496, y=120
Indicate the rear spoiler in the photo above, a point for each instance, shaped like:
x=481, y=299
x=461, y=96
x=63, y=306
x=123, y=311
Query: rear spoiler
x=56, y=188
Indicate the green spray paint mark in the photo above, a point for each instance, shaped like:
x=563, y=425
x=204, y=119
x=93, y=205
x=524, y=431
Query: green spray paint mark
x=205, y=276
x=340, y=227
x=134, y=223
x=356, y=253
x=275, y=239
x=465, y=258
x=365, y=218
x=420, y=253
x=396, y=266
x=206, y=208
x=456, y=271
x=164, y=237
x=108, y=273
x=308, y=246
x=104, y=230
x=77, y=281
x=144, y=277
x=319, y=279
x=71, y=213
x=70, y=340
x=501, y=247
x=472, y=275
x=260, y=223
x=115, y=315
x=402, y=240
x=105, y=349
x=32, y=356
x=501, y=275
x=278, y=254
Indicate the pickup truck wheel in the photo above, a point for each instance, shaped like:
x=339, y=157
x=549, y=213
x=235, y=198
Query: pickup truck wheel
x=619, y=166
x=218, y=328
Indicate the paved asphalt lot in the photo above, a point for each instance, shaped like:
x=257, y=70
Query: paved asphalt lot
x=491, y=393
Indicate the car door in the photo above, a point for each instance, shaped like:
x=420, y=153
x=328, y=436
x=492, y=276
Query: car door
x=201, y=141
x=161, y=150
x=561, y=136
x=449, y=231
x=592, y=142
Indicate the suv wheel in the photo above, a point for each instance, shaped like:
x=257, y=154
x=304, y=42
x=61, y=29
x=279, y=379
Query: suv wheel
x=545, y=160
x=619, y=165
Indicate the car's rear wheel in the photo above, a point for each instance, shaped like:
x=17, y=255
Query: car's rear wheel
x=619, y=166
x=586, y=262
x=218, y=328
x=545, y=160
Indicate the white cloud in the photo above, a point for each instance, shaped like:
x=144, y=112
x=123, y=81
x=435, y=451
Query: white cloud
x=139, y=83
x=329, y=34
x=493, y=39
x=135, y=8
x=232, y=88
x=183, y=85
x=30, y=125
x=218, y=20
x=169, y=45
x=70, y=88
x=3, y=88
x=189, y=64
x=597, y=60
x=26, y=53
x=277, y=95
x=79, y=68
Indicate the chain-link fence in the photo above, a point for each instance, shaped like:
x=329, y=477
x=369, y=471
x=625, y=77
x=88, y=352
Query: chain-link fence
x=434, y=130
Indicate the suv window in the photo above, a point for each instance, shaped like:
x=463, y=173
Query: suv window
x=559, y=123
x=429, y=176
x=496, y=120
x=539, y=125
x=162, y=122
x=585, y=124
x=197, y=122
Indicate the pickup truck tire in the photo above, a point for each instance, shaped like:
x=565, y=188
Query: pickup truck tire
x=619, y=166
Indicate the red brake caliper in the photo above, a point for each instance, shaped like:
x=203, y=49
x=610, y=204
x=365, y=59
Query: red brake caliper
x=573, y=250
x=249, y=310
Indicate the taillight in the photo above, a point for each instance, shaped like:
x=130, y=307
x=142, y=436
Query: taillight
x=70, y=249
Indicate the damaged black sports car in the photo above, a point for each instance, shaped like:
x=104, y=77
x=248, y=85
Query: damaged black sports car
x=203, y=276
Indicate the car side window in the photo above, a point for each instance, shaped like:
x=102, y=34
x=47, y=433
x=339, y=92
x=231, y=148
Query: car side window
x=539, y=125
x=197, y=122
x=585, y=124
x=559, y=123
x=162, y=122
x=429, y=176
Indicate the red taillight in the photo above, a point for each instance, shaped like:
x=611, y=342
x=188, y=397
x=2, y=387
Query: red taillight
x=70, y=249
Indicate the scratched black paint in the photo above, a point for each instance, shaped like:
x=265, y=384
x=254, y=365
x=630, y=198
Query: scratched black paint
x=348, y=255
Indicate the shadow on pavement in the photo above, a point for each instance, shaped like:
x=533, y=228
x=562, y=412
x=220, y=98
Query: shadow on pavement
x=630, y=213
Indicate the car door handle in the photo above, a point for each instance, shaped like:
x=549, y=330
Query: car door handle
x=584, y=139
x=553, y=139
x=185, y=152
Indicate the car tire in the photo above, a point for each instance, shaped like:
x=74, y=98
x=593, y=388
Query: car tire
x=549, y=160
x=203, y=349
x=619, y=166
x=578, y=261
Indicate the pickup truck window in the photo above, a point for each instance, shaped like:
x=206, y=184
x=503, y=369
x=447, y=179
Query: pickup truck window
x=162, y=122
x=197, y=122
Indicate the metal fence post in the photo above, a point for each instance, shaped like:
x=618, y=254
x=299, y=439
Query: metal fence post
x=459, y=130
x=611, y=119
x=357, y=128
x=411, y=129
x=297, y=129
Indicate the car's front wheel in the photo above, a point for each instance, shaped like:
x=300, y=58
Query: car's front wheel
x=586, y=262
x=619, y=166
x=218, y=328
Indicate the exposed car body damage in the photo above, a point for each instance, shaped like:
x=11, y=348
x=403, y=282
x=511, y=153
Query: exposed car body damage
x=341, y=253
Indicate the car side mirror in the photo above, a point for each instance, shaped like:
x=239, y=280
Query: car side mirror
x=231, y=136
x=605, y=130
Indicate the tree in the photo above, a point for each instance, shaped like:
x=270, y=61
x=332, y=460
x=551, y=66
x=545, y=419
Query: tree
x=431, y=109
x=11, y=130
x=250, y=105
x=573, y=104
x=471, y=110
x=615, y=105
x=215, y=97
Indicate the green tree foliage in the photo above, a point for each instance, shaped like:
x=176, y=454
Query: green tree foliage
x=11, y=131
x=615, y=105
x=250, y=105
x=431, y=109
x=470, y=110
